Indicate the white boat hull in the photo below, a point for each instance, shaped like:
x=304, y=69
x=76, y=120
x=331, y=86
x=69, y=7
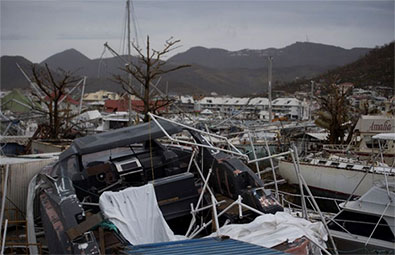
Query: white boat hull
x=332, y=179
x=355, y=244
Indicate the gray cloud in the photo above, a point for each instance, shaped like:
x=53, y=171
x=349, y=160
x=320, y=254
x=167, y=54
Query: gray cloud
x=37, y=29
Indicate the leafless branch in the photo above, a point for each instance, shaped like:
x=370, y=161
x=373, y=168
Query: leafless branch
x=148, y=68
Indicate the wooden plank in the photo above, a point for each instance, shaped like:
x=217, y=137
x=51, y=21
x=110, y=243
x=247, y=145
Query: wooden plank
x=84, y=226
x=101, y=237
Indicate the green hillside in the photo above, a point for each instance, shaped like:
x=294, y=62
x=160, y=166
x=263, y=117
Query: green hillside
x=376, y=68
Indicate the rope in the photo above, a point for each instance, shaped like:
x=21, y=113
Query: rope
x=122, y=43
x=135, y=24
x=100, y=63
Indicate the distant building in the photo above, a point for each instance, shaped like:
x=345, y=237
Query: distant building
x=67, y=103
x=119, y=105
x=291, y=108
x=4, y=93
x=100, y=95
x=15, y=102
x=368, y=100
x=122, y=105
x=187, y=104
x=245, y=107
x=346, y=86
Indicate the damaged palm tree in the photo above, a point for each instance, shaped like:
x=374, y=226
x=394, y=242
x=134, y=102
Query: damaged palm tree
x=52, y=92
x=146, y=71
x=335, y=112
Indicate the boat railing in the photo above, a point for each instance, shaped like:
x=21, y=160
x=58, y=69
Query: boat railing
x=193, y=232
x=232, y=149
x=286, y=197
x=330, y=217
x=341, y=148
x=294, y=207
x=293, y=152
x=344, y=149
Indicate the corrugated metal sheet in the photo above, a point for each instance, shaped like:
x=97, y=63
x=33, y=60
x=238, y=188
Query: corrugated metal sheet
x=21, y=171
x=201, y=246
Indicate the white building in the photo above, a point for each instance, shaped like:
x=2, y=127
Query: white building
x=250, y=106
x=100, y=95
x=288, y=107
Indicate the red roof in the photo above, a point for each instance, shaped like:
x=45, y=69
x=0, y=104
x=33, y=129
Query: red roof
x=116, y=105
x=122, y=105
x=68, y=99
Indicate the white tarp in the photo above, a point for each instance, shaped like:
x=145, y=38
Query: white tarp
x=270, y=230
x=319, y=136
x=135, y=212
x=385, y=136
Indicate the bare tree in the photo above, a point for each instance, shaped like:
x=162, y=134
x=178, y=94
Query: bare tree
x=52, y=103
x=335, y=112
x=146, y=71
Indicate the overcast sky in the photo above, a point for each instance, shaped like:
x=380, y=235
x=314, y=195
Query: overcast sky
x=37, y=29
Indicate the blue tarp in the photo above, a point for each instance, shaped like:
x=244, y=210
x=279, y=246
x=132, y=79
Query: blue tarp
x=204, y=246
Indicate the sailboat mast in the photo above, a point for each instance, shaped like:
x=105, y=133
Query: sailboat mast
x=128, y=25
x=129, y=59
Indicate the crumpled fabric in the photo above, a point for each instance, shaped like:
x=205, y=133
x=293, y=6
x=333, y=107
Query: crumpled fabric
x=270, y=230
x=135, y=212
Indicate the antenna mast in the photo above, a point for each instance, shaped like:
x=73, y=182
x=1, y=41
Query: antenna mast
x=311, y=100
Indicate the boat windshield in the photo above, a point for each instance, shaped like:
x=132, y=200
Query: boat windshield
x=105, y=155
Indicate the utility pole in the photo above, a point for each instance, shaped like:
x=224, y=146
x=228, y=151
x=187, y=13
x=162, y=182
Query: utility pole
x=269, y=89
x=130, y=59
x=311, y=100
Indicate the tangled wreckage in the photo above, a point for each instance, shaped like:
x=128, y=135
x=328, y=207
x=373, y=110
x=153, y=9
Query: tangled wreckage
x=186, y=175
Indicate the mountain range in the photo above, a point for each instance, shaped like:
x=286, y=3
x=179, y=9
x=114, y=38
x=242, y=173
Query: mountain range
x=376, y=68
x=297, y=54
x=212, y=70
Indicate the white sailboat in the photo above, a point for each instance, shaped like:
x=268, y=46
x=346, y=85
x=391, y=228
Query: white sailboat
x=341, y=176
